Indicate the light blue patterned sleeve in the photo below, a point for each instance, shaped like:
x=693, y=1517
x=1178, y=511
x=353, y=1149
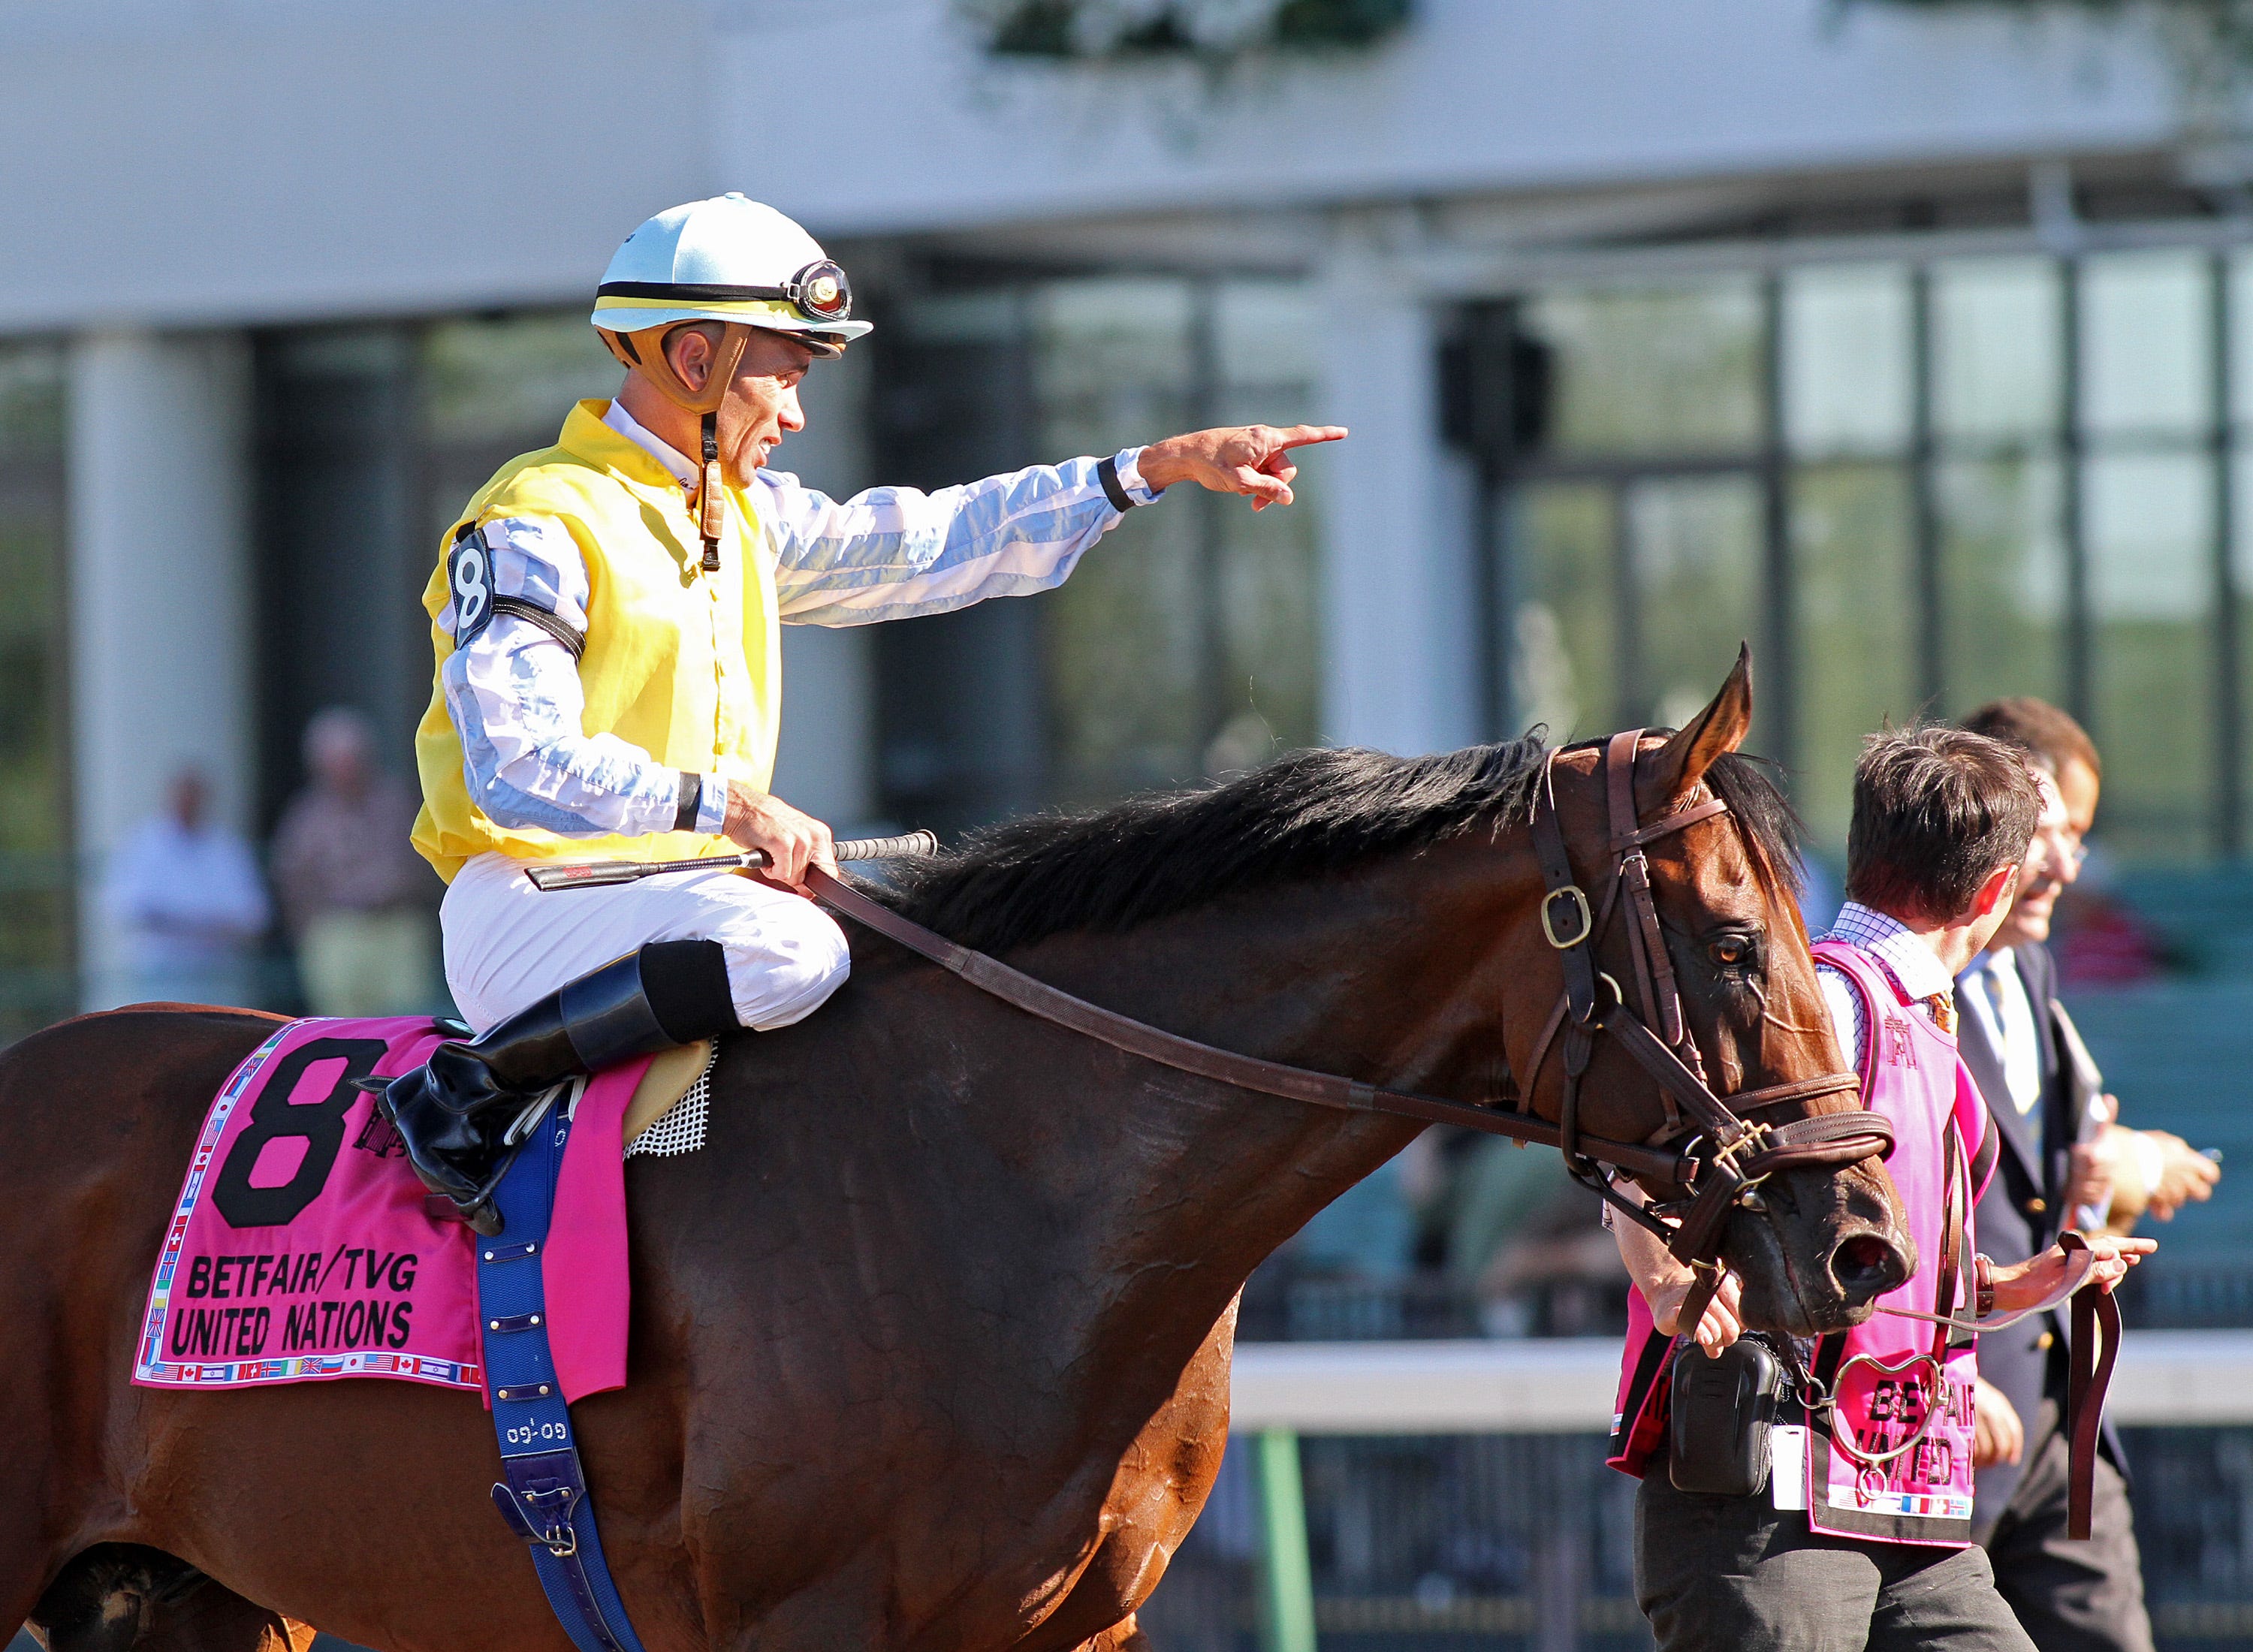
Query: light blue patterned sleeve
x=896, y=552
x=514, y=696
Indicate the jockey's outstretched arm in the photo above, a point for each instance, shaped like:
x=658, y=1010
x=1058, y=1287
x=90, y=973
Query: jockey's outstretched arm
x=898, y=553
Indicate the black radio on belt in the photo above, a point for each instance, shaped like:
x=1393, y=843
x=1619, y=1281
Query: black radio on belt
x=1723, y=1410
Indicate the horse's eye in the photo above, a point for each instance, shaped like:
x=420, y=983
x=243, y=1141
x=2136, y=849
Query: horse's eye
x=1730, y=952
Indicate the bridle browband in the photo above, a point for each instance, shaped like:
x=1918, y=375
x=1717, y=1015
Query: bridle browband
x=1722, y=1157
x=1739, y=1153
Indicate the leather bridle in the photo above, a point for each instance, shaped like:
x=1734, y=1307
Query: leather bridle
x=1708, y=1147
x=1730, y=1154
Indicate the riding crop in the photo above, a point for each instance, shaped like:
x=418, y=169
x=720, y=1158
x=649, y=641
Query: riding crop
x=595, y=875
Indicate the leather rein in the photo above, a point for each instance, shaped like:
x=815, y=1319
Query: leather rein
x=1721, y=1156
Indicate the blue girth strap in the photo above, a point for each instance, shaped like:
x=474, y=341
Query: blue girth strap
x=543, y=1496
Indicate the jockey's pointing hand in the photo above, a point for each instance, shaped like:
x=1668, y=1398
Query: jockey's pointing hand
x=1250, y=459
x=792, y=841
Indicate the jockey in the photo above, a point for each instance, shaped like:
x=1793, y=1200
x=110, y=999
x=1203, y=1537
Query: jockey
x=605, y=618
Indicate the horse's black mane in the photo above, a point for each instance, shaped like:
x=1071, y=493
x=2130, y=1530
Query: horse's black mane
x=1311, y=814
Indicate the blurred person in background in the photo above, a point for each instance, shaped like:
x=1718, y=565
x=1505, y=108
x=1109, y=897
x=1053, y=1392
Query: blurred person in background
x=355, y=896
x=2065, y=1163
x=184, y=894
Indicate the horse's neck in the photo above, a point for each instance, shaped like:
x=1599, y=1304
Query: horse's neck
x=1199, y=1181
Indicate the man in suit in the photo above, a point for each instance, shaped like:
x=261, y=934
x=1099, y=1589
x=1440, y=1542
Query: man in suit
x=2062, y=1153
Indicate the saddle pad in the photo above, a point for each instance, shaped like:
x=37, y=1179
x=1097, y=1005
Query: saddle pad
x=669, y=1076
x=303, y=1246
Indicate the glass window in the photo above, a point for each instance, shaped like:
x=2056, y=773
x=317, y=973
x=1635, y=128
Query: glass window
x=2002, y=580
x=1654, y=370
x=511, y=377
x=2240, y=296
x=37, y=946
x=2241, y=590
x=2146, y=347
x=1123, y=641
x=1563, y=642
x=1846, y=360
x=1186, y=645
x=1856, y=643
x=1693, y=546
x=1267, y=333
x=2149, y=527
x=1996, y=327
x=30, y=402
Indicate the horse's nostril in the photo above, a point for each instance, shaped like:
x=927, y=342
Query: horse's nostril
x=1868, y=1266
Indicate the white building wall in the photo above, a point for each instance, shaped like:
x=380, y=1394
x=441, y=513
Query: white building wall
x=267, y=160
x=1477, y=95
x=162, y=650
x=175, y=163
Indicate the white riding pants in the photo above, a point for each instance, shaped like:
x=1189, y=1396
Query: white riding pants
x=508, y=945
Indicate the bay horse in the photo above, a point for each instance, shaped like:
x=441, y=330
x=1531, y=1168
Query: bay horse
x=931, y=1341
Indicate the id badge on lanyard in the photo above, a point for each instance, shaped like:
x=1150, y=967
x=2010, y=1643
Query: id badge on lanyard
x=1787, y=1474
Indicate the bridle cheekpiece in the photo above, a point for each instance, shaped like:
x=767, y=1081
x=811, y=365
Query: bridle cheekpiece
x=1727, y=1155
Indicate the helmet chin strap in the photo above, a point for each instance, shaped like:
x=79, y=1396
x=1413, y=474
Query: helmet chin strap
x=711, y=501
x=711, y=496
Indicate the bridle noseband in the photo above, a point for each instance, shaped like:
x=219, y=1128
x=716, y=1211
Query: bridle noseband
x=1729, y=1154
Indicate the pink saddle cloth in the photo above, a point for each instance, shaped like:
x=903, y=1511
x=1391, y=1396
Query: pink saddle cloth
x=303, y=1245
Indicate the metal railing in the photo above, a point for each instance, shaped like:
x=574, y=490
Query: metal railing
x=1385, y=1496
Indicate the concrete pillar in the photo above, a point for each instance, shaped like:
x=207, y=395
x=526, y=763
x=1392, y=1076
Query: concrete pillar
x=827, y=763
x=160, y=593
x=1400, y=602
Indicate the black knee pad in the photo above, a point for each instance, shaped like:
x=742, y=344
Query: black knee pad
x=686, y=984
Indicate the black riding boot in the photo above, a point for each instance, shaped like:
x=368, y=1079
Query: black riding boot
x=453, y=1112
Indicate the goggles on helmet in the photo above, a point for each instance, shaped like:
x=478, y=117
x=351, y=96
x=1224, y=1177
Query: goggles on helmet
x=819, y=291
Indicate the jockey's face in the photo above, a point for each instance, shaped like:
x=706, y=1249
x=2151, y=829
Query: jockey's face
x=762, y=405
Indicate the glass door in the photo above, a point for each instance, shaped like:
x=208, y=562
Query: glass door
x=1630, y=595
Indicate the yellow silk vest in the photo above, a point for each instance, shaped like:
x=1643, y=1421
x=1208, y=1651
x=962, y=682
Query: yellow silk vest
x=685, y=665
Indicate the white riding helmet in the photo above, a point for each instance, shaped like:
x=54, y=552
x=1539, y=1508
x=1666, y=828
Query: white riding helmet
x=731, y=260
x=727, y=259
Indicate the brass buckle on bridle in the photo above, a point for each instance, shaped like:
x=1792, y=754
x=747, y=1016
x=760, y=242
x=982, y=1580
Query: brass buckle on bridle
x=1750, y=1138
x=1571, y=892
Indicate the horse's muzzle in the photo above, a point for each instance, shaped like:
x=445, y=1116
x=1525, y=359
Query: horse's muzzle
x=1864, y=1267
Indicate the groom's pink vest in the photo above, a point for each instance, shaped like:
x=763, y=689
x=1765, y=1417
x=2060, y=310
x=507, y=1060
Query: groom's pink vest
x=1911, y=1074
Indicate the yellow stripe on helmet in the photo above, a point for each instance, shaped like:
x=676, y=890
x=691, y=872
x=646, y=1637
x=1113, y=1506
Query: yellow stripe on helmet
x=752, y=310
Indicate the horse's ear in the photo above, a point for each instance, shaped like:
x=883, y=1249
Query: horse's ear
x=1682, y=762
